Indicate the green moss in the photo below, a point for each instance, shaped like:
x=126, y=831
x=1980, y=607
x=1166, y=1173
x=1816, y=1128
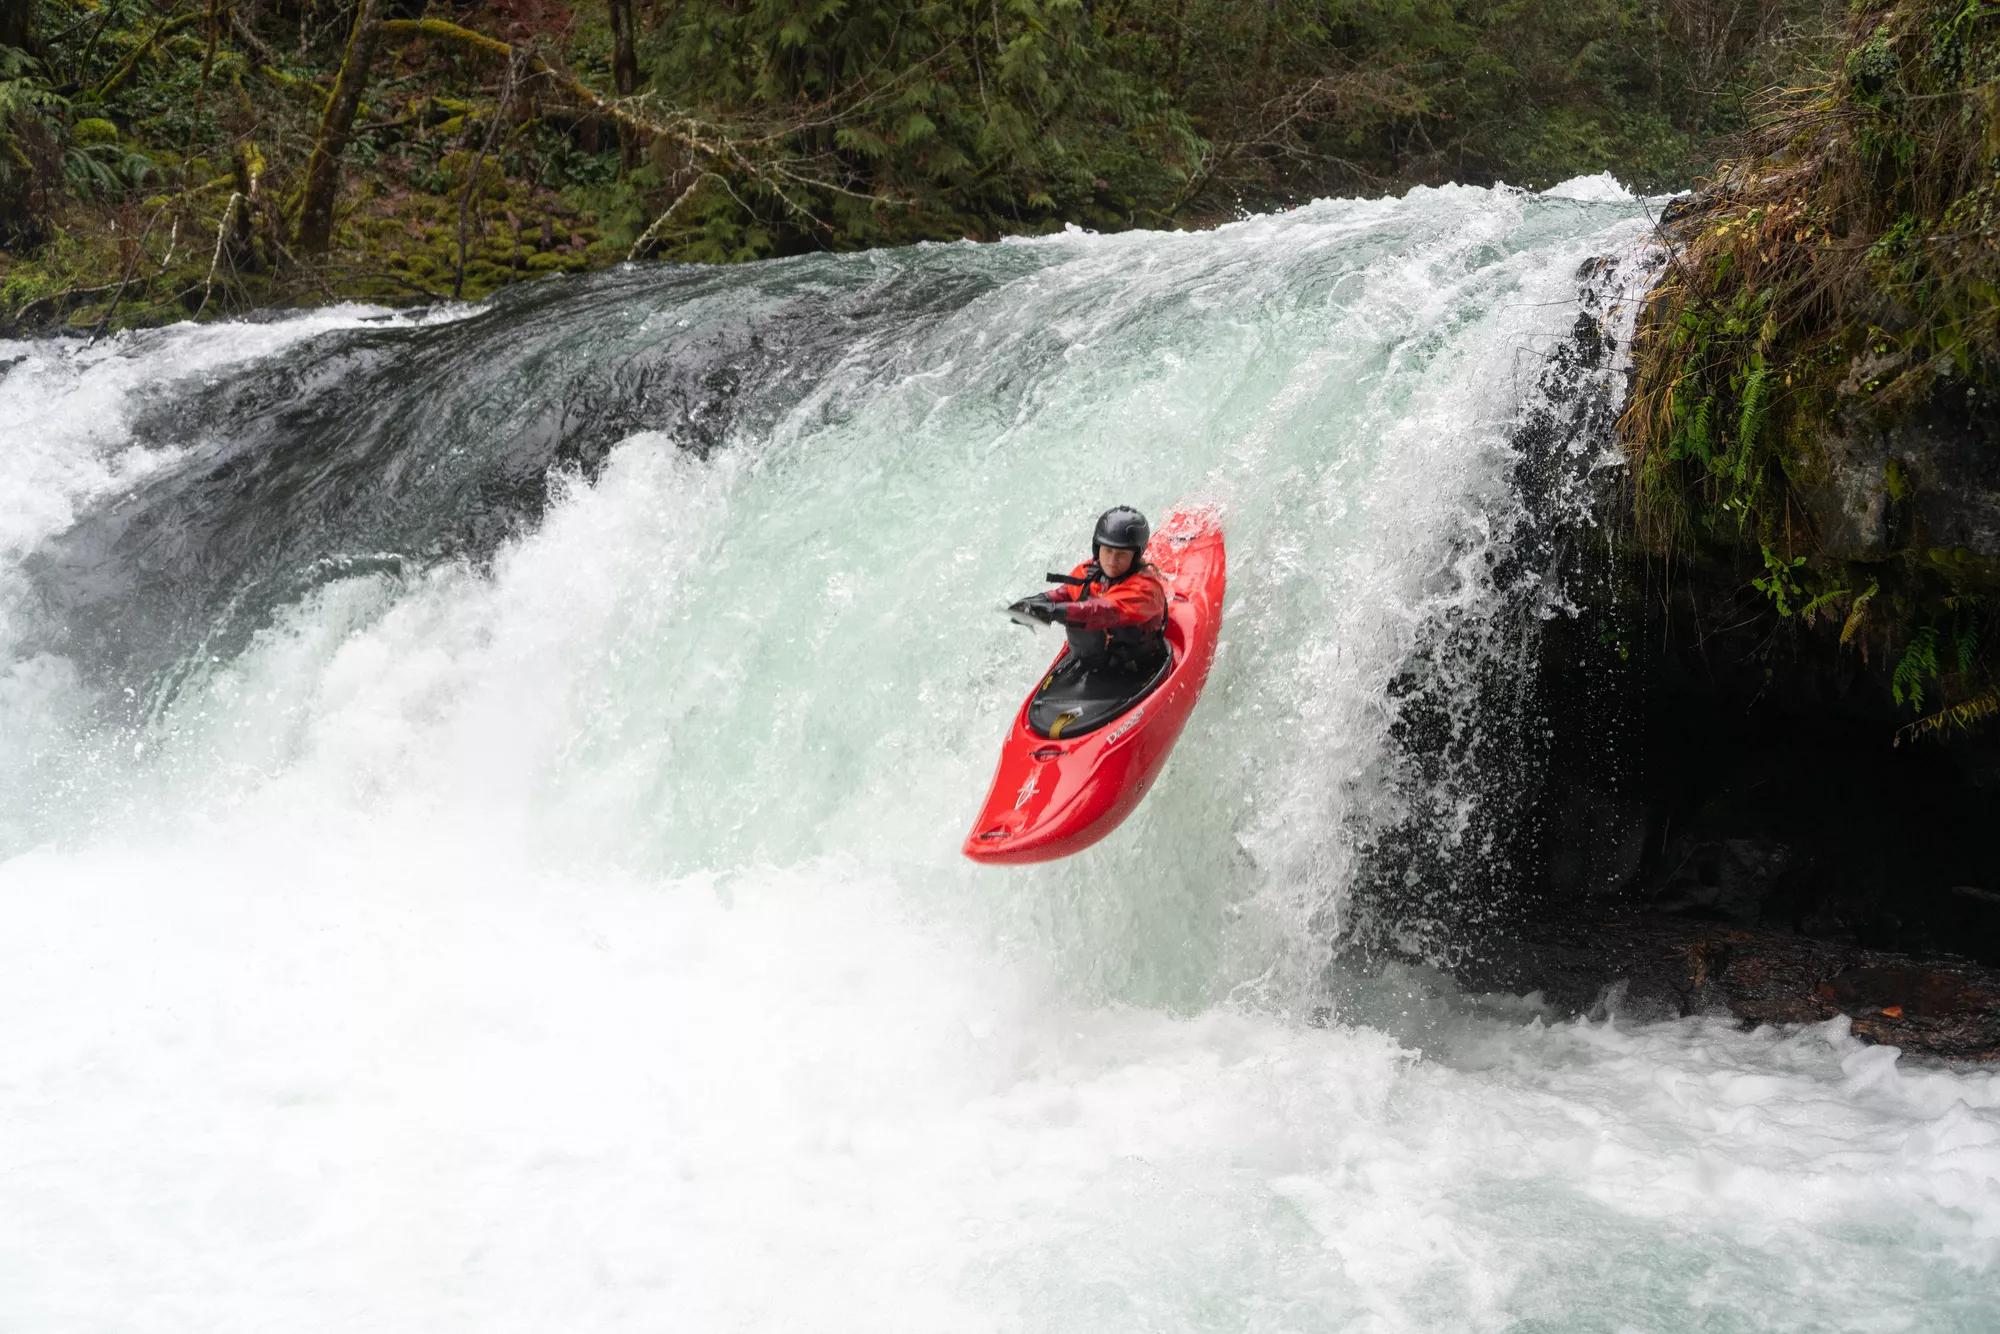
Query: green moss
x=1896, y=480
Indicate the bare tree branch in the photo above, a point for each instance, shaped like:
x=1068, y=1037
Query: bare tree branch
x=646, y=237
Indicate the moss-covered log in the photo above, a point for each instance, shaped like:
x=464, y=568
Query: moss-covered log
x=710, y=146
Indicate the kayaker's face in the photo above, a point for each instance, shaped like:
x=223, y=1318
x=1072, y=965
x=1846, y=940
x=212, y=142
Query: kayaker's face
x=1115, y=561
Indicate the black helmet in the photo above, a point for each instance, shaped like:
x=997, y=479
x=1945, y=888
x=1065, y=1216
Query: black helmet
x=1124, y=527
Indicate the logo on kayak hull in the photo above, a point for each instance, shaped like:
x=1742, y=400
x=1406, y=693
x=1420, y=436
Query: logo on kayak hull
x=1138, y=716
x=1027, y=790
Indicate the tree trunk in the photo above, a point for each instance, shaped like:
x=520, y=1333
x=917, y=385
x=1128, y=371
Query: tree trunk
x=1265, y=42
x=624, y=77
x=15, y=26
x=323, y=167
x=19, y=224
x=1174, y=79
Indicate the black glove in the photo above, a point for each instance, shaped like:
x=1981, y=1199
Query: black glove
x=1038, y=608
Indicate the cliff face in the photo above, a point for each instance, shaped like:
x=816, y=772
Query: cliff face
x=1774, y=782
x=1919, y=483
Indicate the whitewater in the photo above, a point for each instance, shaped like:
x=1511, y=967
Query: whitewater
x=480, y=794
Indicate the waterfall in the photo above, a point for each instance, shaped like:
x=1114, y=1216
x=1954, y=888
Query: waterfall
x=480, y=794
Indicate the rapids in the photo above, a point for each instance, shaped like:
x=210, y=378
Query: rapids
x=480, y=795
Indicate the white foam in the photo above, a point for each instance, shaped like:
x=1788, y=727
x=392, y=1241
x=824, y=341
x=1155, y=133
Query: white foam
x=414, y=1083
x=1603, y=188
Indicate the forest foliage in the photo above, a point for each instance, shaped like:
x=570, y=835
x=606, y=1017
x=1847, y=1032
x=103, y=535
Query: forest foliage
x=158, y=157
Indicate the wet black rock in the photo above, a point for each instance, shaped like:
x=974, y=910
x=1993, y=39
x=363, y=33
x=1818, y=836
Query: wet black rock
x=1658, y=965
x=1727, y=819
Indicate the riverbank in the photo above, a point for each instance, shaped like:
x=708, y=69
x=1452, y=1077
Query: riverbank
x=193, y=159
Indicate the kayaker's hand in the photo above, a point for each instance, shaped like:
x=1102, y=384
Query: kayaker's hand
x=1037, y=607
x=1026, y=613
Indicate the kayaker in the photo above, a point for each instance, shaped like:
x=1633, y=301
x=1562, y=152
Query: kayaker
x=1113, y=607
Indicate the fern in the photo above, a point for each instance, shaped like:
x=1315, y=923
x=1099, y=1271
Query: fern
x=1918, y=664
x=1807, y=612
x=106, y=170
x=1965, y=636
x=1858, y=613
x=1756, y=395
x=27, y=106
x=1696, y=440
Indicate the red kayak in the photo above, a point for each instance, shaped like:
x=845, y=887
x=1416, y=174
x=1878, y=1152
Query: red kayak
x=1074, y=767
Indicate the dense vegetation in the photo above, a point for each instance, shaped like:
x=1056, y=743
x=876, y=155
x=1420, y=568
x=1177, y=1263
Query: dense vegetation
x=159, y=157
x=1819, y=383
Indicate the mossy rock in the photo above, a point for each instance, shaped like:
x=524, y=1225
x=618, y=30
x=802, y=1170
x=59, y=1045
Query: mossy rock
x=552, y=261
x=460, y=164
x=94, y=130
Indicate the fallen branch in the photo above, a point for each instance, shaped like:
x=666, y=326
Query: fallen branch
x=722, y=154
x=60, y=302
x=242, y=32
x=537, y=66
x=646, y=237
x=221, y=235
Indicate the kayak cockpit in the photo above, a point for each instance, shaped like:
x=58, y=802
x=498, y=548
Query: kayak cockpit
x=1077, y=698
